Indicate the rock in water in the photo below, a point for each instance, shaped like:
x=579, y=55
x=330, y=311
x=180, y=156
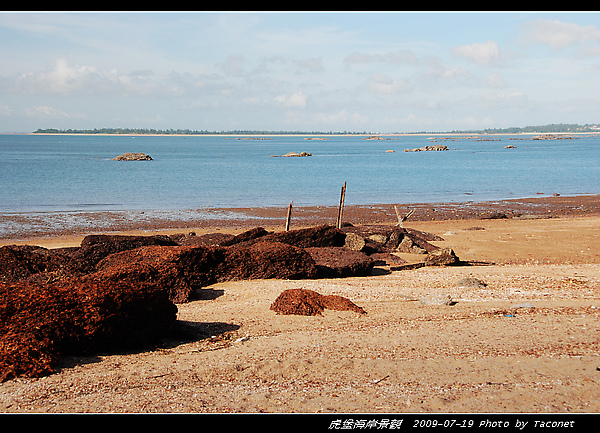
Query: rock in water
x=130, y=156
x=435, y=147
x=294, y=155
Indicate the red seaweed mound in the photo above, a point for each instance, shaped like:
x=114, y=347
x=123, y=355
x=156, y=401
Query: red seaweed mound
x=40, y=321
x=96, y=247
x=340, y=262
x=310, y=303
x=119, y=292
x=320, y=236
x=20, y=262
x=182, y=270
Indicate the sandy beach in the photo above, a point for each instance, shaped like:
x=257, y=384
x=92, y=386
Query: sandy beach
x=523, y=340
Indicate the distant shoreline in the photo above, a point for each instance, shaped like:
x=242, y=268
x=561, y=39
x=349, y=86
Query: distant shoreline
x=390, y=134
x=553, y=128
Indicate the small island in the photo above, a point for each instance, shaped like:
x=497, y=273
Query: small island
x=292, y=155
x=130, y=156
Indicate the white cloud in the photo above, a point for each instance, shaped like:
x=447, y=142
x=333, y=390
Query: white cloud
x=384, y=85
x=438, y=73
x=309, y=65
x=157, y=119
x=513, y=99
x=394, y=57
x=342, y=117
x=558, y=34
x=5, y=109
x=233, y=65
x=351, y=69
x=495, y=80
x=63, y=79
x=295, y=100
x=485, y=53
x=51, y=112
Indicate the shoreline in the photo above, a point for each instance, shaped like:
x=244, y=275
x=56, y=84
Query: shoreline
x=307, y=134
x=68, y=228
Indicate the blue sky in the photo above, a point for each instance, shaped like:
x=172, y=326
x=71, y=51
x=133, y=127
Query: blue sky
x=325, y=71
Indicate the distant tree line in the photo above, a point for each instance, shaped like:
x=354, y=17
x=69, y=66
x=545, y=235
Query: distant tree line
x=554, y=127
x=142, y=131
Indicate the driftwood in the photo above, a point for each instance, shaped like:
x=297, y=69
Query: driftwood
x=404, y=218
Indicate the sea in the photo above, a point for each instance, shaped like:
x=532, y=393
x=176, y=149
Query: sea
x=73, y=173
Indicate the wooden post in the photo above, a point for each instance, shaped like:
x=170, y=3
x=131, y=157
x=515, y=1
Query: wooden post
x=398, y=216
x=341, y=210
x=404, y=218
x=289, y=217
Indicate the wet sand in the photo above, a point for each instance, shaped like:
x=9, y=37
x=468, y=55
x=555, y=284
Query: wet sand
x=525, y=342
x=68, y=228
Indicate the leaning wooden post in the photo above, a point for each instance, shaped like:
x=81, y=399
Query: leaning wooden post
x=398, y=216
x=402, y=219
x=289, y=217
x=341, y=210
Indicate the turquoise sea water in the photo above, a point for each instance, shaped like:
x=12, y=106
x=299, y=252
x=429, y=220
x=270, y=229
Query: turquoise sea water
x=58, y=173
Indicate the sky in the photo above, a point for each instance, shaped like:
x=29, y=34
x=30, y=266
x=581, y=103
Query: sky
x=298, y=71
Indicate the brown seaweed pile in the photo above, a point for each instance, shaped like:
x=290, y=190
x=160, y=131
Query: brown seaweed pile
x=115, y=292
x=306, y=302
